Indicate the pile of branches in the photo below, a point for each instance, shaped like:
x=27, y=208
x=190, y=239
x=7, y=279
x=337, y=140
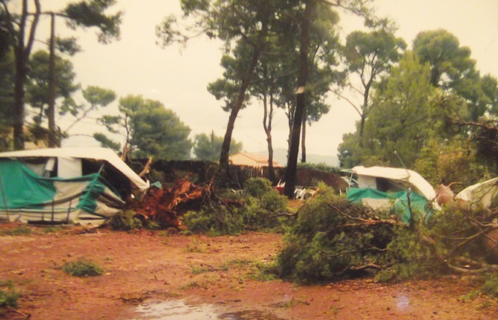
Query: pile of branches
x=257, y=207
x=334, y=238
x=165, y=205
x=455, y=240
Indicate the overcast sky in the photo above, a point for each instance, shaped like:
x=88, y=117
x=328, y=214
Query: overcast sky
x=178, y=78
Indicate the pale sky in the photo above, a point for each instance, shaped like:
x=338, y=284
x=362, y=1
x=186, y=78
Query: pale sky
x=178, y=78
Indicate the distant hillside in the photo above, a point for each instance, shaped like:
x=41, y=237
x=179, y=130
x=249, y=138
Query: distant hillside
x=281, y=156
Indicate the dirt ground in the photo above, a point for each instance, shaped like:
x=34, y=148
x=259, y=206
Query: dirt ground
x=142, y=267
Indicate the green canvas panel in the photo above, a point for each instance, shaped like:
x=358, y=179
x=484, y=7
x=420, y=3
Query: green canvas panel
x=399, y=200
x=88, y=201
x=21, y=187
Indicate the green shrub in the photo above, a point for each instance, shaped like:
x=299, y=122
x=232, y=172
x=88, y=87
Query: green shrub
x=125, y=221
x=82, y=268
x=8, y=295
x=257, y=187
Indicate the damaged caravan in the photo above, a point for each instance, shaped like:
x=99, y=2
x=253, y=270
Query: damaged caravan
x=385, y=187
x=65, y=185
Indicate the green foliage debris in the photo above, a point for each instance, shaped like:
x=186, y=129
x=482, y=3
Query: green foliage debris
x=125, y=221
x=333, y=238
x=258, y=208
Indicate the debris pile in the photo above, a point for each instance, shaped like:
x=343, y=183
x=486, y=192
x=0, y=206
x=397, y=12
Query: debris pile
x=165, y=205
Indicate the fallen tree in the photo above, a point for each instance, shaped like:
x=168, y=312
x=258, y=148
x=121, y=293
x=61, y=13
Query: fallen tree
x=333, y=239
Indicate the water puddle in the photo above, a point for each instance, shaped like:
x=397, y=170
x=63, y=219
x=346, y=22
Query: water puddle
x=179, y=310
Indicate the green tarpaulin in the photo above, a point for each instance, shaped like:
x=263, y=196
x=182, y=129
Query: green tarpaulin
x=21, y=187
x=398, y=201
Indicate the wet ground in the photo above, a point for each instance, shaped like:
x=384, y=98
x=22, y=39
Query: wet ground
x=154, y=275
x=181, y=310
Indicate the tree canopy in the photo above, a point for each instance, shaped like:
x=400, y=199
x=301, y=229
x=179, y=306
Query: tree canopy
x=21, y=28
x=369, y=55
x=149, y=129
x=208, y=148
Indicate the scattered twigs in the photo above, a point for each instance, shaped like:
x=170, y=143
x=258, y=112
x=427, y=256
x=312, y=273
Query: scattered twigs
x=27, y=316
x=485, y=268
x=367, y=266
x=363, y=222
x=470, y=239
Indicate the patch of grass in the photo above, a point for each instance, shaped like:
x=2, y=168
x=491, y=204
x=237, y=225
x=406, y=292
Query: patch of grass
x=198, y=269
x=194, y=285
x=51, y=229
x=265, y=271
x=82, y=268
x=19, y=231
x=470, y=296
x=484, y=305
x=235, y=263
x=9, y=296
x=195, y=246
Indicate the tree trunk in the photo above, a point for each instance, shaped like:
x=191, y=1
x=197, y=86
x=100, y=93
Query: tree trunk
x=365, y=110
x=223, y=171
x=52, y=138
x=362, y=125
x=267, y=125
x=21, y=53
x=20, y=79
x=290, y=173
x=303, y=141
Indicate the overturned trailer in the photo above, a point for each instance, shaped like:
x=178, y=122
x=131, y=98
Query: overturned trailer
x=382, y=187
x=65, y=185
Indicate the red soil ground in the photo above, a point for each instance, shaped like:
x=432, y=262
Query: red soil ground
x=143, y=266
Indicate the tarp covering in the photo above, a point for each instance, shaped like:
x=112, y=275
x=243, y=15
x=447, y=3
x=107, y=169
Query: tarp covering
x=396, y=200
x=481, y=194
x=415, y=180
x=83, y=153
x=21, y=187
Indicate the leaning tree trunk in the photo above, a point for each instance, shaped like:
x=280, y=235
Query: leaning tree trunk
x=224, y=170
x=20, y=79
x=52, y=136
x=267, y=125
x=303, y=139
x=290, y=173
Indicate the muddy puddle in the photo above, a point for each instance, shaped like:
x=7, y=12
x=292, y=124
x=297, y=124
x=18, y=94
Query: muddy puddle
x=180, y=310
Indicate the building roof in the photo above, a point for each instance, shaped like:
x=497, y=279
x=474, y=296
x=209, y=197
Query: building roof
x=252, y=159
